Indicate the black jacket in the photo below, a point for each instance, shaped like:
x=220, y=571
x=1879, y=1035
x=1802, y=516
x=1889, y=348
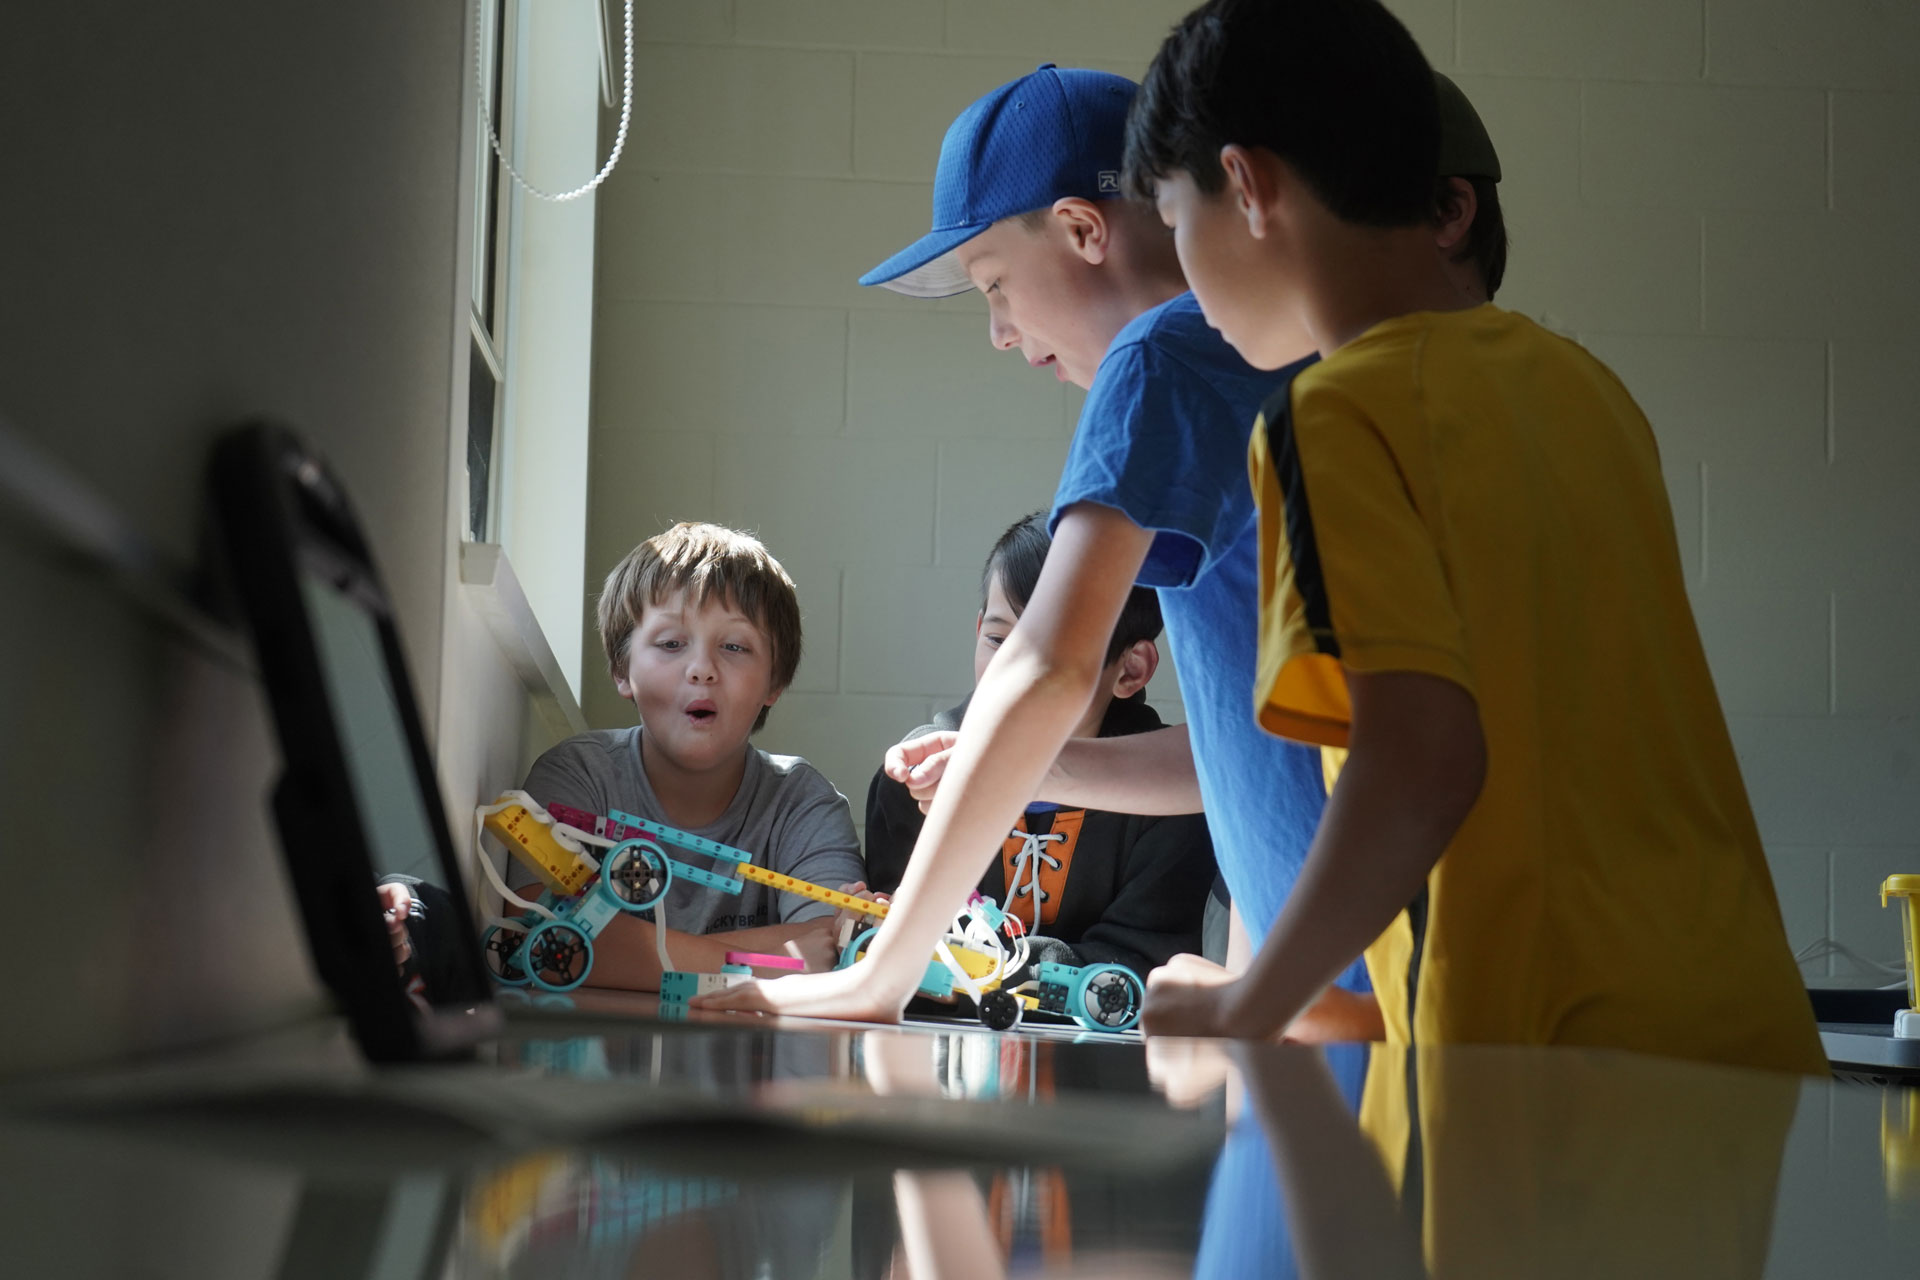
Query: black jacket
x=1135, y=888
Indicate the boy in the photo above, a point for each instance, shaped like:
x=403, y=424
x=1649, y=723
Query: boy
x=1155, y=491
x=701, y=628
x=1469, y=579
x=1108, y=887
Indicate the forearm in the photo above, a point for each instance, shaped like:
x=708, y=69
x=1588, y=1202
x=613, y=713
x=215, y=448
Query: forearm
x=1024, y=707
x=1144, y=773
x=1415, y=769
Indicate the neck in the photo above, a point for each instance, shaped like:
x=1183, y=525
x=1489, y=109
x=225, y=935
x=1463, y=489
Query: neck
x=691, y=797
x=1089, y=726
x=1144, y=277
x=1360, y=276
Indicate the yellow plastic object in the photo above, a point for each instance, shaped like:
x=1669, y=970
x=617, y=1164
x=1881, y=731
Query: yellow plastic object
x=1900, y=1143
x=1908, y=887
x=807, y=889
x=561, y=869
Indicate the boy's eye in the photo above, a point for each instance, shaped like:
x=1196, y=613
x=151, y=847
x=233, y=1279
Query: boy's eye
x=995, y=641
x=667, y=644
x=734, y=646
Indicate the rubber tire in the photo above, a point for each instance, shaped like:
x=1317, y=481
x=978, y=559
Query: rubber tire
x=553, y=928
x=1000, y=1010
x=656, y=859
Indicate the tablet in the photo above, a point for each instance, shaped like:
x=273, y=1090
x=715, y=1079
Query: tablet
x=357, y=804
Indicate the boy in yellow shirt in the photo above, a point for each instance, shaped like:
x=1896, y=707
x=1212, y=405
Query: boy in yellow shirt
x=1469, y=580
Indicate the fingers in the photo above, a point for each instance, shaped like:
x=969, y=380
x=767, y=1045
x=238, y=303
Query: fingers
x=905, y=757
x=743, y=997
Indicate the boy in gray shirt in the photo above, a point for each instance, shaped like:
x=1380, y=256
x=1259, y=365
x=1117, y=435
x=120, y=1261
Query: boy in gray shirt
x=702, y=632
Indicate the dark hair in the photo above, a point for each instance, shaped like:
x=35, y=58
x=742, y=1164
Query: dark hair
x=1336, y=88
x=1486, y=240
x=1017, y=558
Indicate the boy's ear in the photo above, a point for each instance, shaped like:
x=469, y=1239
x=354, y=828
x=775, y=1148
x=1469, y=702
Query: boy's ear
x=1456, y=214
x=1138, y=662
x=623, y=686
x=1086, y=227
x=1255, y=177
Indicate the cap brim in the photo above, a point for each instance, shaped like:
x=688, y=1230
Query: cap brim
x=926, y=268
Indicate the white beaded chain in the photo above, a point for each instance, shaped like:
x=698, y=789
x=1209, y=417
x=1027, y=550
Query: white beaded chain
x=493, y=136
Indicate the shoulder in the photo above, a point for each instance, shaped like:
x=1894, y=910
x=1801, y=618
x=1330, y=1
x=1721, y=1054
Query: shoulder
x=790, y=780
x=596, y=747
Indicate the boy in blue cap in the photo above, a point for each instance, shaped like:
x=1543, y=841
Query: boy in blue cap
x=1088, y=285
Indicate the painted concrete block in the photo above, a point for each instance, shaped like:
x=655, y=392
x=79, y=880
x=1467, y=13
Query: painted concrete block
x=858, y=24
x=1704, y=146
x=1876, y=406
x=1876, y=638
x=1535, y=127
x=1621, y=270
x=1718, y=397
x=909, y=630
x=844, y=736
x=1830, y=780
x=739, y=238
x=1857, y=917
x=986, y=485
x=818, y=586
x=1623, y=40
x=680, y=366
x=702, y=108
x=1768, y=649
x=1875, y=139
x=1863, y=44
x=920, y=373
x=661, y=20
x=1813, y=275
x=903, y=103
x=1064, y=31
x=834, y=501
x=1802, y=879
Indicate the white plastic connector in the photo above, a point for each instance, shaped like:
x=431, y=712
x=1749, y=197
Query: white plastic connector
x=1906, y=1024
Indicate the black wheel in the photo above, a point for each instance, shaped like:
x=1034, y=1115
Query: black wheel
x=1000, y=1010
x=637, y=874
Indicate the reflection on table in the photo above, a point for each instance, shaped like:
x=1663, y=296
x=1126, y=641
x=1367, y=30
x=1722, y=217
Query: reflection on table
x=839, y=1152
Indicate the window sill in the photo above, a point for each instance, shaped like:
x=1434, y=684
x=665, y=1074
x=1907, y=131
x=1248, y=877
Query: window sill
x=495, y=592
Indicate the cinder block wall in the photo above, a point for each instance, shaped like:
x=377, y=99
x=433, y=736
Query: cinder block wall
x=1714, y=195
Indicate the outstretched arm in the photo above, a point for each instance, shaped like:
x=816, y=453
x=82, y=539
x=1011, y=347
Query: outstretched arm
x=1144, y=773
x=1025, y=706
x=1416, y=763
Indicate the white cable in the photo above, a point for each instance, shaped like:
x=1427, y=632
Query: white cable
x=486, y=863
x=1821, y=948
x=493, y=136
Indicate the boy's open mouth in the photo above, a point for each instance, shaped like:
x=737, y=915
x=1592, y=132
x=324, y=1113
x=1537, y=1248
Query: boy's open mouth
x=702, y=711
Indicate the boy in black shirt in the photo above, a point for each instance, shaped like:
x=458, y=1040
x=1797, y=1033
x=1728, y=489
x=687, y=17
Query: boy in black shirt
x=1111, y=887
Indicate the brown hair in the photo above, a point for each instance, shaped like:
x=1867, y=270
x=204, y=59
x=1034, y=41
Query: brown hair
x=708, y=562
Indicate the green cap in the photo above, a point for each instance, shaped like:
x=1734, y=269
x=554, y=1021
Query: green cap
x=1465, y=149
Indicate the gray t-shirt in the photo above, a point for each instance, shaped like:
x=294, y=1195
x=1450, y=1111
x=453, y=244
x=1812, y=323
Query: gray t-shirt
x=786, y=814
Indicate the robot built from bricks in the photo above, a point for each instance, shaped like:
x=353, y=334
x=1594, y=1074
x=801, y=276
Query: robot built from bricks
x=551, y=945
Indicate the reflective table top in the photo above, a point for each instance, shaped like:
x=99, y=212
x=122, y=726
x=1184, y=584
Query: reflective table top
x=599, y=1142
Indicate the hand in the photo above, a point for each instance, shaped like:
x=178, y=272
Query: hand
x=1188, y=1072
x=816, y=944
x=396, y=905
x=1189, y=996
x=845, y=993
x=918, y=763
x=858, y=919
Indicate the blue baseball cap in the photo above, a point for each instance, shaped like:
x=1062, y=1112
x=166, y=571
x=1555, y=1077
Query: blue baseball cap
x=1027, y=144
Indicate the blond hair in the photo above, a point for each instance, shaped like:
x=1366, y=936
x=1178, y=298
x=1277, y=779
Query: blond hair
x=708, y=562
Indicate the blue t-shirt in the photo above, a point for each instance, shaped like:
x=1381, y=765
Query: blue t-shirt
x=1163, y=439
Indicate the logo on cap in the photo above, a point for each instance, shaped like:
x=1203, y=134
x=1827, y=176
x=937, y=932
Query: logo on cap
x=1109, y=182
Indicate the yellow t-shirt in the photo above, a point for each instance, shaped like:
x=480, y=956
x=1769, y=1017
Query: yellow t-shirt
x=1467, y=495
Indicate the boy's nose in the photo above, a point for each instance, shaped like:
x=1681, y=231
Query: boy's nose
x=1002, y=335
